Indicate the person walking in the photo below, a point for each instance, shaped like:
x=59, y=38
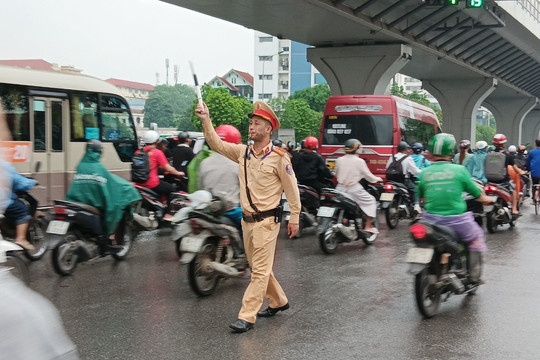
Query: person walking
x=265, y=171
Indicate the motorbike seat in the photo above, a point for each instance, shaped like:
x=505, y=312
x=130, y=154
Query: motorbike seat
x=308, y=189
x=149, y=192
x=72, y=204
x=397, y=184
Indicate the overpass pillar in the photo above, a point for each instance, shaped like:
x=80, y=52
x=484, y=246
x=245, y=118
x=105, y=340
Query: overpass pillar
x=530, y=129
x=509, y=113
x=359, y=70
x=459, y=100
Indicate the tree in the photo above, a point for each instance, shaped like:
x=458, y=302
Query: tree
x=484, y=132
x=300, y=117
x=168, y=106
x=224, y=109
x=315, y=97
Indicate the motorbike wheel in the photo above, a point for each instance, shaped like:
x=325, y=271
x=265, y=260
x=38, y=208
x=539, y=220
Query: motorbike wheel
x=428, y=298
x=491, y=222
x=36, y=236
x=17, y=266
x=391, y=213
x=125, y=233
x=327, y=238
x=64, y=259
x=202, y=279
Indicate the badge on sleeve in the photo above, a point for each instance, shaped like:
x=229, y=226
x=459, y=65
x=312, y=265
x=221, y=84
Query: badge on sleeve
x=288, y=169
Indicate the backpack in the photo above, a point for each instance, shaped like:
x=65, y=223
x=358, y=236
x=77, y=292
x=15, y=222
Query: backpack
x=140, y=168
x=495, y=166
x=520, y=163
x=394, y=172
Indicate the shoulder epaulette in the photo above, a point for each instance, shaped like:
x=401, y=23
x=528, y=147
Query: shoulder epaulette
x=279, y=151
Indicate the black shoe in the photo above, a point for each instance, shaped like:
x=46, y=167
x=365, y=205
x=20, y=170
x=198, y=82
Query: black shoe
x=241, y=326
x=269, y=312
x=104, y=250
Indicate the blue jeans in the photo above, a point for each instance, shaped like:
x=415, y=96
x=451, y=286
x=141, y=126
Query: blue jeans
x=17, y=212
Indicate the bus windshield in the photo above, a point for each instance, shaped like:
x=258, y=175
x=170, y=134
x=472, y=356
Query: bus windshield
x=369, y=129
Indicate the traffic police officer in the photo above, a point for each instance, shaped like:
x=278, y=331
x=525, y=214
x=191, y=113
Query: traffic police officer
x=265, y=171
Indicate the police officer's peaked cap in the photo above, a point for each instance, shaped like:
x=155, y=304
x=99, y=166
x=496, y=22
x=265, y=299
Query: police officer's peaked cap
x=261, y=109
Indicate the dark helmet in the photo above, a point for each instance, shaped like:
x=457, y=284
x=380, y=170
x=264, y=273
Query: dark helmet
x=94, y=145
x=183, y=136
x=291, y=145
x=417, y=148
x=402, y=146
x=277, y=142
x=352, y=145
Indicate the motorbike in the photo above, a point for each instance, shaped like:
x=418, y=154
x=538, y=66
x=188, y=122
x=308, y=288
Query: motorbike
x=337, y=215
x=36, y=228
x=309, y=198
x=440, y=265
x=149, y=213
x=477, y=208
x=75, y=232
x=208, y=242
x=11, y=260
x=500, y=212
x=397, y=204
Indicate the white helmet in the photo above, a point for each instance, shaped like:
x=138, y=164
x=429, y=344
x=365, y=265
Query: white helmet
x=150, y=137
x=512, y=148
x=481, y=144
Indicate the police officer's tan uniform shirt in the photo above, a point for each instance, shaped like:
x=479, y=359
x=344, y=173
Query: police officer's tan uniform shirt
x=268, y=174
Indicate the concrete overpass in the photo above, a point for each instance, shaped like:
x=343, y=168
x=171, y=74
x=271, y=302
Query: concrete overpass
x=464, y=57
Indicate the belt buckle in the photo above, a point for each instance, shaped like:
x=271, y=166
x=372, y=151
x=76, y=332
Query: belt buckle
x=257, y=217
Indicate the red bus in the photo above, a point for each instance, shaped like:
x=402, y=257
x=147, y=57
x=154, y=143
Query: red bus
x=380, y=122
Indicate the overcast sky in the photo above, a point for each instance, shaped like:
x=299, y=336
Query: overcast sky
x=124, y=39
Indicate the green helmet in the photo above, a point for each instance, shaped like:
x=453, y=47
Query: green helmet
x=442, y=144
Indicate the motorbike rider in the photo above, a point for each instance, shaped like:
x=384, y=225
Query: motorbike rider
x=409, y=170
x=17, y=212
x=158, y=161
x=475, y=166
x=309, y=166
x=182, y=154
x=464, y=155
x=219, y=175
x=442, y=185
x=94, y=185
x=533, y=164
x=419, y=159
x=350, y=169
x=521, y=162
x=499, y=140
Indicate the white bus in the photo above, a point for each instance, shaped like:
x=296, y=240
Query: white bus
x=54, y=114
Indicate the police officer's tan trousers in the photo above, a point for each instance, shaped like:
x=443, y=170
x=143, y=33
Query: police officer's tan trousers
x=260, y=245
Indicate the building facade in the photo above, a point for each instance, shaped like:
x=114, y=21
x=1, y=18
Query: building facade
x=281, y=67
x=238, y=83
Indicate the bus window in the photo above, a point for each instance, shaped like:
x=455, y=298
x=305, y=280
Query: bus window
x=369, y=129
x=39, y=125
x=56, y=122
x=84, y=123
x=116, y=122
x=15, y=104
x=415, y=131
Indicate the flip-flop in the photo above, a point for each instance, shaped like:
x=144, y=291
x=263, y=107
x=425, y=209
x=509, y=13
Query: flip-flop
x=372, y=231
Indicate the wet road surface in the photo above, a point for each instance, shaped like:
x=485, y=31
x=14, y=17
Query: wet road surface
x=355, y=304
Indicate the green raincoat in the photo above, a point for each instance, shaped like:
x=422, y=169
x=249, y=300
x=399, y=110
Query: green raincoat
x=94, y=185
x=193, y=169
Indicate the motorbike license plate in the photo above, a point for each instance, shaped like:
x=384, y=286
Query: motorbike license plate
x=191, y=244
x=387, y=197
x=58, y=227
x=325, y=211
x=286, y=207
x=419, y=255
